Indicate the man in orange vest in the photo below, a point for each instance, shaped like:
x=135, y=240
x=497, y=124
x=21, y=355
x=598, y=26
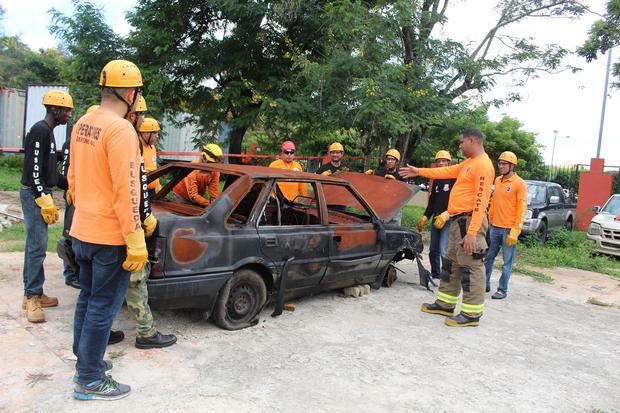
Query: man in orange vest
x=463, y=269
x=506, y=215
x=108, y=239
x=192, y=188
x=148, y=134
x=290, y=190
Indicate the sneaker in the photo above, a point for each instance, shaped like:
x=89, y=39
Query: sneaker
x=108, y=368
x=116, y=337
x=45, y=300
x=158, y=340
x=436, y=309
x=499, y=295
x=73, y=282
x=106, y=389
x=462, y=320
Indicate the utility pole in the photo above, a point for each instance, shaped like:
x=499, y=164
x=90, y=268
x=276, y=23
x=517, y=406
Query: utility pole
x=555, y=137
x=600, y=129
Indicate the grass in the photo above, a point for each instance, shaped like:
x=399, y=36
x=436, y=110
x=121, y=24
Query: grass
x=535, y=275
x=10, y=179
x=595, y=301
x=411, y=215
x=13, y=239
x=567, y=249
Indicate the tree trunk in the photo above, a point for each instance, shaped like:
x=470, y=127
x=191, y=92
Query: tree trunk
x=236, y=139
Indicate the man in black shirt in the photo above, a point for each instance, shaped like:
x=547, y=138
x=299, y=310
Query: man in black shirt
x=438, y=196
x=39, y=176
x=336, y=152
x=390, y=171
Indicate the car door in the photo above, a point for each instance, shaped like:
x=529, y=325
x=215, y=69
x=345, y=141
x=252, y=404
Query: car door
x=295, y=229
x=354, y=247
x=554, y=214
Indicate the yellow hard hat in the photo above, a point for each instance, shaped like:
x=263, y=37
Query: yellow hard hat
x=120, y=73
x=509, y=157
x=336, y=146
x=92, y=108
x=58, y=98
x=393, y=152
x=141, y=105
x=212, y=152
x=149, y=125
x=443, y=155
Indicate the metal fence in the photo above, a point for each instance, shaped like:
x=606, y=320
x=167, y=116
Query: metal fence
x=12, y=107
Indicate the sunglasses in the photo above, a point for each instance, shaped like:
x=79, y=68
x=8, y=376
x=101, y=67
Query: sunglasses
x=288, y=152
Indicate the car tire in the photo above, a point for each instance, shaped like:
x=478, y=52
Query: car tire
x=542, y=233
x=240, y=300
x=569, y=224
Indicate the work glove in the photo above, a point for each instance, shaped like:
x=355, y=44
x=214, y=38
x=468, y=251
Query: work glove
x=421, y=222
x=137, y=255
x=389, y=176
x=441, y=219
x=49, y=211
x=513, y=237
x=69, y=197
x=370, y=172
x=327, y=172
x=149, y=225
x=345, y=169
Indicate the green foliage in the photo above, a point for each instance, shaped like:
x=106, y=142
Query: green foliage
x=13, y=239
x=410, y=216
x=603, y=36
x=12, y=162
x=21, y=66
x=535, y=275
x=11, y=167
x=91, y=43
x=568, y=249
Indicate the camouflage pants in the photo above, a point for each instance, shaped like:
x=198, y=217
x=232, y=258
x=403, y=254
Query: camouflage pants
x=462, y=272
x=138, y=302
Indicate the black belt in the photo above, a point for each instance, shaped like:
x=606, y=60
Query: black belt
x=459, y=215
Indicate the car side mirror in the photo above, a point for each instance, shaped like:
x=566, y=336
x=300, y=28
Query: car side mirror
x=554, y=199
x=596, y=209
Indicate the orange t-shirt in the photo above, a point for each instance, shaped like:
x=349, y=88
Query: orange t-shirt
x=472, y=189
x=193, y=187
x=149, y=152
x=509, y=202
x=104, y=178
x=290, y=190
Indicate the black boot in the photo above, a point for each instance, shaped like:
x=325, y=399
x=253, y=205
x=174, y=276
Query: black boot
x=158, y=340
x=116, y=337
x=462, y=320
x=434, y=308
x=73, y=282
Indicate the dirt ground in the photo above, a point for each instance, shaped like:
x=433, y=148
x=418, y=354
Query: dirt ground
x=543, y=349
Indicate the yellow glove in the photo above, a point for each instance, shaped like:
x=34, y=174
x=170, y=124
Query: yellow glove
x=369, y=172
x=389, y=176
x=49, y=211
x=513, y=237
x=441, y=219
x=149, y=225
x=137, y=255
x=422, y=221
x=345, y=169
x=69, y=197
x=327, y=173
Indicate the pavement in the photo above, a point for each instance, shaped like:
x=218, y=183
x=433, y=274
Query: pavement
x=543, y=349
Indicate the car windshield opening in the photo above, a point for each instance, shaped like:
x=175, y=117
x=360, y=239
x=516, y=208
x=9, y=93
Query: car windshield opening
x=613, y=206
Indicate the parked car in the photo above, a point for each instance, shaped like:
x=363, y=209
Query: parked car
x=548, y=209
x=228, y=259
x=604, y=228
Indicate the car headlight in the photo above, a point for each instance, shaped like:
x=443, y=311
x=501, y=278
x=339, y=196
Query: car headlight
x=528, y=214
x=594, y=229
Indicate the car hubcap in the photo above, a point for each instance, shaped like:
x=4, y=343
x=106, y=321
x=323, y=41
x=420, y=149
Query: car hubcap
x=241, y=302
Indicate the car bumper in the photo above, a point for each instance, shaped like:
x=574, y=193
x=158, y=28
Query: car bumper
x=196, y=291
x=530, y=225
x=604, y=245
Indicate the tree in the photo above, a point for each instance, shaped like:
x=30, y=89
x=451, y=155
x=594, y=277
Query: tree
x=603, y=36
x=90, y=44
x=21, y=66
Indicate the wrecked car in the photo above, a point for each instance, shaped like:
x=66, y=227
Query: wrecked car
x=251, y=243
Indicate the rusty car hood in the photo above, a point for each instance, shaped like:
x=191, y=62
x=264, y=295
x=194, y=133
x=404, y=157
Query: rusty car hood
x=386, y=197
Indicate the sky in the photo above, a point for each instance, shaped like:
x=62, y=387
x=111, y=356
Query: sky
x=567, y=103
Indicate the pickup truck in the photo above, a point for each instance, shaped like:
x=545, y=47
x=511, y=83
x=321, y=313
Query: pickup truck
x=548, y=209
x=604, y=228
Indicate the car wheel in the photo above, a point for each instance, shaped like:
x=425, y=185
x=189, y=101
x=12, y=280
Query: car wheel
x=240, y=300
x=542, y=233
x=569, y=224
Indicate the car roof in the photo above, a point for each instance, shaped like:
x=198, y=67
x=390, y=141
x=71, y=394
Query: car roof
x=254, y=171
x=532, y=181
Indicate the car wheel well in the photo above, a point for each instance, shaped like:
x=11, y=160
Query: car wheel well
x=264, y=272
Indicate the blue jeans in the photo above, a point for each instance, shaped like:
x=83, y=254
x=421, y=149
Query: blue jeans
x=104, y=285
x=438, y=248
x=498, y=239
x=36, y=244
